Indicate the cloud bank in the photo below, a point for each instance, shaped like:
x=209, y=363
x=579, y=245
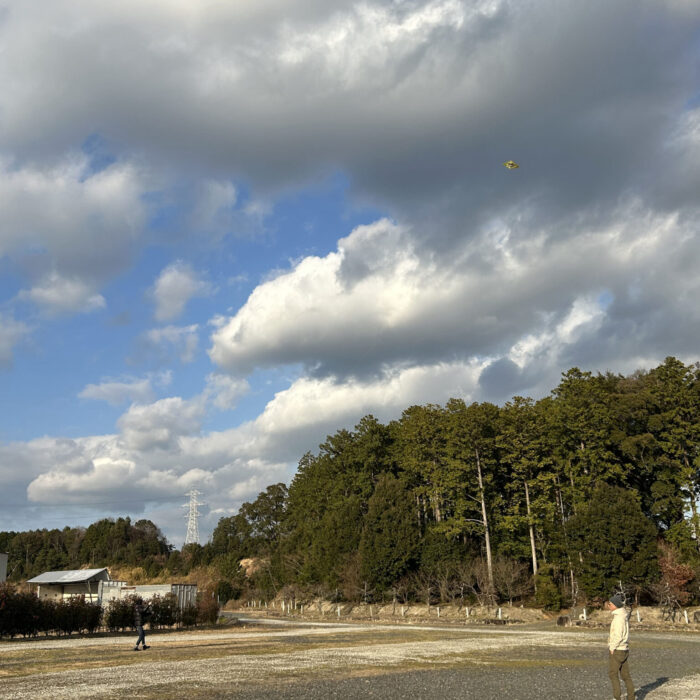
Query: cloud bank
x=173, y=122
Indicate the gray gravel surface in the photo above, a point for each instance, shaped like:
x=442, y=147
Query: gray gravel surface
x=653, y=675
x=664, y=667
x=355, y=661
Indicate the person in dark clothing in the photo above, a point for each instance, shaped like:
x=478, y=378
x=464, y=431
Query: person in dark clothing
x=141, y=615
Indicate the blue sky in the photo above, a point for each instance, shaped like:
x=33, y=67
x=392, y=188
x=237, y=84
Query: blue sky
x=227, y=230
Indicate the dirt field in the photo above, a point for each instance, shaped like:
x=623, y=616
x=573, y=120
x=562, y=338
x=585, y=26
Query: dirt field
x=297, y=660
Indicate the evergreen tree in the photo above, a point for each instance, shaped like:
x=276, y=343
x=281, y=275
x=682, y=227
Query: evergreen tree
x=388, y=545
x=615, y=540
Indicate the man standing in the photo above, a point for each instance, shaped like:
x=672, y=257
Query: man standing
x=141, y=614
x=618, y=646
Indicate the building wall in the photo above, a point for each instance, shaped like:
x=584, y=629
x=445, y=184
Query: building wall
x=88, y=590
x=109, y=590
x=45, y=590
x=61, y=592
x=186, y=593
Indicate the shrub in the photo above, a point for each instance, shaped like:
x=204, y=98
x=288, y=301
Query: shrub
x=188, y=616
x=164, y=610
x=548, y=594
x=207, y=609
x=120, y=614
x=225, y=591
x=25, y=614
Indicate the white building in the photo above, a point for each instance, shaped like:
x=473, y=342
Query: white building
x=66, y=584
x=186, y=593
x=97, y=585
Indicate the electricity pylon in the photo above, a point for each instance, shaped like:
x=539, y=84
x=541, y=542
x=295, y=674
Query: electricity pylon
x=192, y=536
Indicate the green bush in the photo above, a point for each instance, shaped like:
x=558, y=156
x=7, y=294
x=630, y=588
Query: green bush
x=226, y=591
x=120, y=614
x=20, y=613
x=164, y=610
x=26, y=615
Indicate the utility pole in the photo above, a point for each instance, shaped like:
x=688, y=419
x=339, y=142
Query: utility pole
x=192, y=536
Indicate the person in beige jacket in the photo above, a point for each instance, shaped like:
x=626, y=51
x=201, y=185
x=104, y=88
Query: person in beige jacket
x=618, y=646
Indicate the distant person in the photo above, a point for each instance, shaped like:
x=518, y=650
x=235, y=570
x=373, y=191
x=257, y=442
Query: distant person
x=141, y=615
x=618, y=646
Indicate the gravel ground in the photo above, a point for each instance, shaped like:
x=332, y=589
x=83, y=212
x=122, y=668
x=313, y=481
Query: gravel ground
x=352, y=661
x=474, y=684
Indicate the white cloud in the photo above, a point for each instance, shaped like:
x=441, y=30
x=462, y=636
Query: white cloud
x=117, y=392
x=57, y=295
x=175, y=286
x=224, y=391
x=585, y=316
x=104, y=476
x=380, y=300
x=316, y=404
x=79, y=225
x=160, y=424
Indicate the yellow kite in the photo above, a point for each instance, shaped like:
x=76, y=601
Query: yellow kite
x=511, y=164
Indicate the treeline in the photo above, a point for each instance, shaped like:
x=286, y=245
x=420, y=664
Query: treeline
x=561, y=498
x=557, y=500
x=107, y=542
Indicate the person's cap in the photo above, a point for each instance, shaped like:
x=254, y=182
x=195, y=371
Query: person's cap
x=617, y=600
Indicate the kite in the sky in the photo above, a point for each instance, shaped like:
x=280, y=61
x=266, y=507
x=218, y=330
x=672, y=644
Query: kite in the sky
x=511, y=164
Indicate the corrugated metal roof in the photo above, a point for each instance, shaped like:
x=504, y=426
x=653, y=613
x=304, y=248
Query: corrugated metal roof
x=75, y=576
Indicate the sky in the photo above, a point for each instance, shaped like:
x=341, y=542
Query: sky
x=230, y=229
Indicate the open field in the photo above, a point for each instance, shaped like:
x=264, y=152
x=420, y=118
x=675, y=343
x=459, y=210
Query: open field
x=297, y=660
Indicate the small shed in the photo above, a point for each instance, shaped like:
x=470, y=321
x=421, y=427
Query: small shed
x=3, y=567
x=66, y=584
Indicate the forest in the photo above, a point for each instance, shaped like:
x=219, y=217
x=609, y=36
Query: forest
x=554, y=502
